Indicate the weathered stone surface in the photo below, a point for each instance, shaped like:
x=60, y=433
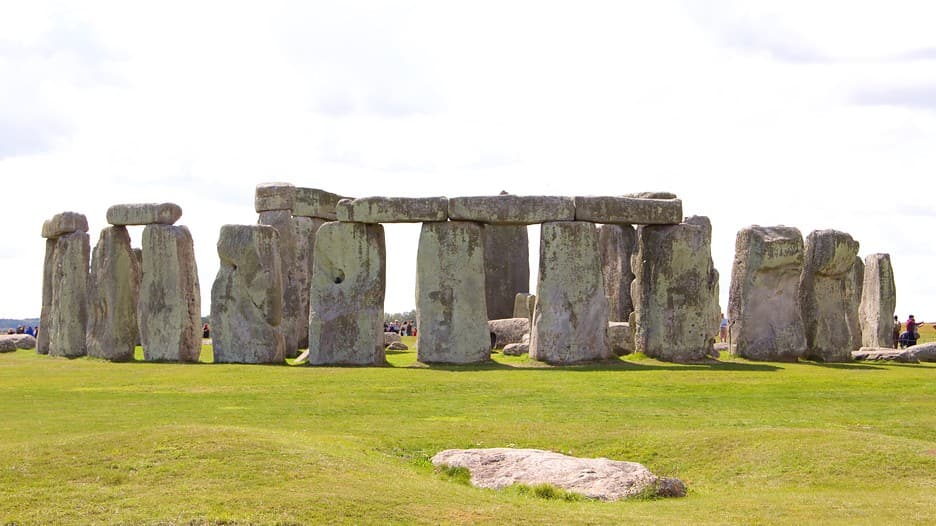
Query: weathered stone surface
x=828, y=298
x=349, y=279
x=506, y=267
x=69, y=312
x=64, y=223
x=114, y=294
x=570, y=320
x=925, y=352
x=450, y=306
x=45, y=314
x=885, y=354
x=515, y=349
x=878, y=301
x=617, y=243
x=312, y=202
x=675, y=292
x=392, y=209
x=144, y=214
x=509, y=330
x=620, y=337
x=274, y=196
x=651, y=195
x=295, y=277
x=306, y=230
x=595, y=478
x=7, y=344
x=247, y=296
x=511, y=209
x=397, y=346
x=12, y=342
x=524, y=304
x=628, y=210
x=391, y=337
x=763, y=303
x=170, y=297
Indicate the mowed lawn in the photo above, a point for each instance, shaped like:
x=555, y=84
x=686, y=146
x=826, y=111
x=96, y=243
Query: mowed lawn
x=90, y=442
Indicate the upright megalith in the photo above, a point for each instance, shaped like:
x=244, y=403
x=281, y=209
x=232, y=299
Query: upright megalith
x=617, y=244
x=450, y=300
x=114, y=294
x=675, y=291
x=45, y=314
x=247, y=296
x=524, y=304
x=506, y=267
x=306, y=230
x=570, y=320
x=878, y=301
x=170, y=298
x=828, y=297
x=349, y=280
x=763, y=304
x=69, y=313
x=295, y=275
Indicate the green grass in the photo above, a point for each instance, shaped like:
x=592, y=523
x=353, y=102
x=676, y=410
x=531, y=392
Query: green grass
x=90, y=442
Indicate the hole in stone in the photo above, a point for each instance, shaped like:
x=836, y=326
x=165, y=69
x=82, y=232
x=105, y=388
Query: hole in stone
x=339, y=277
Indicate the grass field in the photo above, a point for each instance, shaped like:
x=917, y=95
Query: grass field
x=86, y=441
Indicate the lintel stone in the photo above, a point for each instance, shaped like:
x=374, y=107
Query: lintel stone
x=628, y=210
x=144, y=214
x=64, y=223
x=312, y=202
x=511, y=209
x=392, y=209
x=274, y=196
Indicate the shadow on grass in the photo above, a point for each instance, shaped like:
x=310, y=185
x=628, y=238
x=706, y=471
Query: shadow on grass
x=608, y=365
x=845, y=366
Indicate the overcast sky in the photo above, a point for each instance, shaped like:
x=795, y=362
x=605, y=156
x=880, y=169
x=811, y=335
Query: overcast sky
x=809, y=114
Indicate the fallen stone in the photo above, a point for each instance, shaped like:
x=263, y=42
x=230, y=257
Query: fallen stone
x=570, y=322
x=506, y=267
x=620, y=337
x=64, y=223
x=391, y=337
x=392, y=209
x=617, y=243
x=515, y=349
x=509, y=330
x=274, y=196
x=511, y=209
x=349, y=279
x=397, y=346
x=451, y=312
x=595, y=478
x=888, y=354
x=312, y=202
x=69, y=312
x=170, y=297
x=925, y=352
x=144, y=214
x=878, y=301
x=628, y=210
x=12, y=342
x=829, y=294
x=247, y=297
x=302, y=359
x=114, y=294
x=762, y=301
x=7, y=344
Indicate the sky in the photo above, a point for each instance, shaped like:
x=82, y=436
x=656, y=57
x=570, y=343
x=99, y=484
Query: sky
x=817, y=115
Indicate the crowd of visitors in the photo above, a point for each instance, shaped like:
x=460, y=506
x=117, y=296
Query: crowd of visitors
x=24, y=329
x=407, y=328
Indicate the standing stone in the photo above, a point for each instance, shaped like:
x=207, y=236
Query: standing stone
x=524, y=304
x=827, y=296
x=114, y=292
x=170, y=298
x=45, y=314
x=349, y=280
x=675, y=291
x=138, y=254
x=570, y=321
x=306, y=229
x=763, y=302
x=247, y=296
x=69, y=312
x=616, y=244
x=620, y=337
x=450, y=300
x=506, y=267
x=295, y=277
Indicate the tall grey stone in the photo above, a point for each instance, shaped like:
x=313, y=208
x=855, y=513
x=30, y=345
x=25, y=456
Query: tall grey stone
x=144, y=214
x=306, y=229
x=349, y=280
x=827, y=296
x=114, y=293
x=570, y=321
x=524, y=304
x=763, y=304
x=450, y=298
x=170, y=297
x=247, y=296
x=295, y=277
x=675, y=291
x=878, y=301
x=69, y=312
x=45, y=314
x=506, y=267
x=617, y=244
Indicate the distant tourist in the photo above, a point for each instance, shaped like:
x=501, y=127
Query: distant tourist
x=30, y=331
x=723, y=328
x=206, y=331
x=896, y=331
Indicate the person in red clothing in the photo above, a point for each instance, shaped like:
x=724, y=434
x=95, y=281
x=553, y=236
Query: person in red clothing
x=910, y=336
